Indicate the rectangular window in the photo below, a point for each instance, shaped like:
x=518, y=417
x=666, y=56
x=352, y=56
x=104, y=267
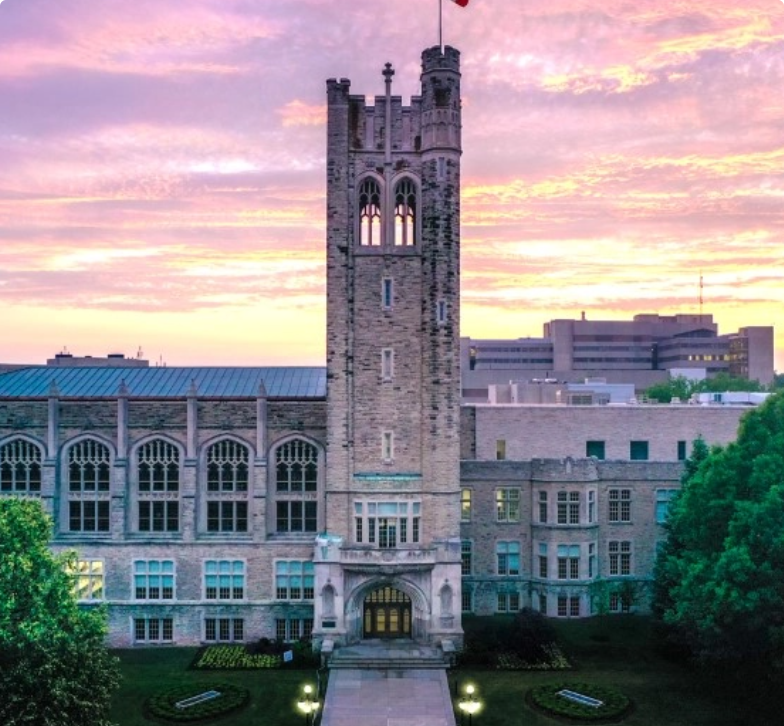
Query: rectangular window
x=466, y=556
x=638, y=450
x=681, y=451
x=441, y=168
x=620, y=505
x=508, y=558
x=543, y=560
x=568, y=606
x=508, y=602
x=227, y=516
x=294, y=580
x=592, y=560
x=467, y=600
x=618, y=603
x=387, y=364
x=153, y=630
x=543, y=603
x=88, y=515
x=290, y=629
x=387, y=293
x=387, y=524
x=153, y=579
x=507, y=505
x=88, y=579
x=595, y=448
x=663, y=499
x=159, y=516
x=224, y=630
x=574, y=607
x=465, y=505
x=591, y=507
x=563, y=606
x=387, y=445
x=500, y=449
x=620, y=553
x=568, y=562
x=296, y=516
x=441, y=309
x=224, y=579
x=568, y=507
x=542, y=507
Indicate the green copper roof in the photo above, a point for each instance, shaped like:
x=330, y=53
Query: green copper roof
x=105, y=382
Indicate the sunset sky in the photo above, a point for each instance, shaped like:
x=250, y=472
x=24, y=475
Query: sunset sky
x=162, y=166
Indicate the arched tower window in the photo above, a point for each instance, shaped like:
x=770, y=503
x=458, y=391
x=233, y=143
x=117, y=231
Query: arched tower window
x=89, y=469
x=159, y=486
x=296, y=484
x=20, y=467
x=227, y=487
x=405, y=213
x=370, y=213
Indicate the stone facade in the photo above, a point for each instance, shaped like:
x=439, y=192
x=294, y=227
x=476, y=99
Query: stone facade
x=392, y=484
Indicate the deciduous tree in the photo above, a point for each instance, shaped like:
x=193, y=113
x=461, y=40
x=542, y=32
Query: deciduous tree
x=55, y=669
x=720, y=577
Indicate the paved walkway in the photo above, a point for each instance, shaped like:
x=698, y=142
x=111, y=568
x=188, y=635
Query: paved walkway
x=388, y=697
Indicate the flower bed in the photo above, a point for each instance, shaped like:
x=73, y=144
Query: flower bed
x=163, y=705
x=553, y=660
x=233, y=657
x=614, y=704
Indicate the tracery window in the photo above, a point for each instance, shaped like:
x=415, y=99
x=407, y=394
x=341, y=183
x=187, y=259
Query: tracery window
x=20, y=467
x=296, y=483
x=370, y=213
x=405, y=213
x=159, y=487
x=89, y=471
x=227, y=487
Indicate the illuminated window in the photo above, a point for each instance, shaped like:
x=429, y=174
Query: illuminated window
x=405, y=213
x=507, y=505
x=465, y=505
x=370, y=213
x=87, y=578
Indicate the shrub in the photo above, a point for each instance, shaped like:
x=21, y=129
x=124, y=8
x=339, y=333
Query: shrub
x=163, y=705
x=530, y=636
x=614, y=704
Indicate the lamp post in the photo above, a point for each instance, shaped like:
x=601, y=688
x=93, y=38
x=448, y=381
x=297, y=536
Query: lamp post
x=308, y=705
x=469, y=704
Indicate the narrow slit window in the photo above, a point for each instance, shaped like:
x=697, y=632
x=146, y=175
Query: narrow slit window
x=387, y=364
x=387, y=293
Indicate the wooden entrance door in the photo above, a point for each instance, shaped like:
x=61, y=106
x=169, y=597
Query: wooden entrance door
x=387, y=614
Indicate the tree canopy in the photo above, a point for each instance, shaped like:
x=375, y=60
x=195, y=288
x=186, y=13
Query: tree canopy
x=720, y=577
x=54, y=665
x=684, y=388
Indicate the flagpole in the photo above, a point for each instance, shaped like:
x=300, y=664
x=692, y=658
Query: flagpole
x=440, y=25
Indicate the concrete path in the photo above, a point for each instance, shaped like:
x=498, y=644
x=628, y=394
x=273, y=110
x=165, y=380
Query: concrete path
x=389, y=697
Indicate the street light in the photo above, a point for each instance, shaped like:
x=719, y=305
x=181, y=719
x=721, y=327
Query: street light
x=308, y=705
x=469, y=704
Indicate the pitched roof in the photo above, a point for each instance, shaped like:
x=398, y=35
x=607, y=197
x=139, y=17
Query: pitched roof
x=105, y=382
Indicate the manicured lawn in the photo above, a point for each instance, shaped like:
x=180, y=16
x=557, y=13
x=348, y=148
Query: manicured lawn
x=148, y=670
x=664, y=693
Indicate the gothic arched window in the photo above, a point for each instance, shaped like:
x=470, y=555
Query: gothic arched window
x=89, y=469
x=296, y=484
x=20, y=467
x=405, y=213
x=227, y=487
x=159, y=486
x=370, y=213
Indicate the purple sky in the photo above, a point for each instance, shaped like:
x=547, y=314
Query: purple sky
x=162, y=166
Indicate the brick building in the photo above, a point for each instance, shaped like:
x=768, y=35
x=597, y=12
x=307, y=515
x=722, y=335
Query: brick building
x=358, y=500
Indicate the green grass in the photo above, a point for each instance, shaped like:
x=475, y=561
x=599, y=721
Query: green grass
x=273, y=692
x=664, y=693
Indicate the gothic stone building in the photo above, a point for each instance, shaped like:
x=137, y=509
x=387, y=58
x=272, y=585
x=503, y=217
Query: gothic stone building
x=357, y=501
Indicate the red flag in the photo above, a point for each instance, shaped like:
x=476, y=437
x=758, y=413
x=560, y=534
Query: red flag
x=461, y=3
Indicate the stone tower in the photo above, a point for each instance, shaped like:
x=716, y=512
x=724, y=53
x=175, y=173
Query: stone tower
x=388, y=562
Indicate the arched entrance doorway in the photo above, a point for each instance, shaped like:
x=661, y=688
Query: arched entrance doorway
x=386, y=614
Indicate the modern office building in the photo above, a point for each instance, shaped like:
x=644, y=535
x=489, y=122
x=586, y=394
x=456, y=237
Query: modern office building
x=643, y=351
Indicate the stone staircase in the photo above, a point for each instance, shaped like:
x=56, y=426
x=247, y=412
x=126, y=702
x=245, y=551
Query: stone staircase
x=388, y=655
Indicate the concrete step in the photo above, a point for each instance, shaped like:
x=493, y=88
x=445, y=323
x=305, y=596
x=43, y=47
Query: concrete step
x=386, y=663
